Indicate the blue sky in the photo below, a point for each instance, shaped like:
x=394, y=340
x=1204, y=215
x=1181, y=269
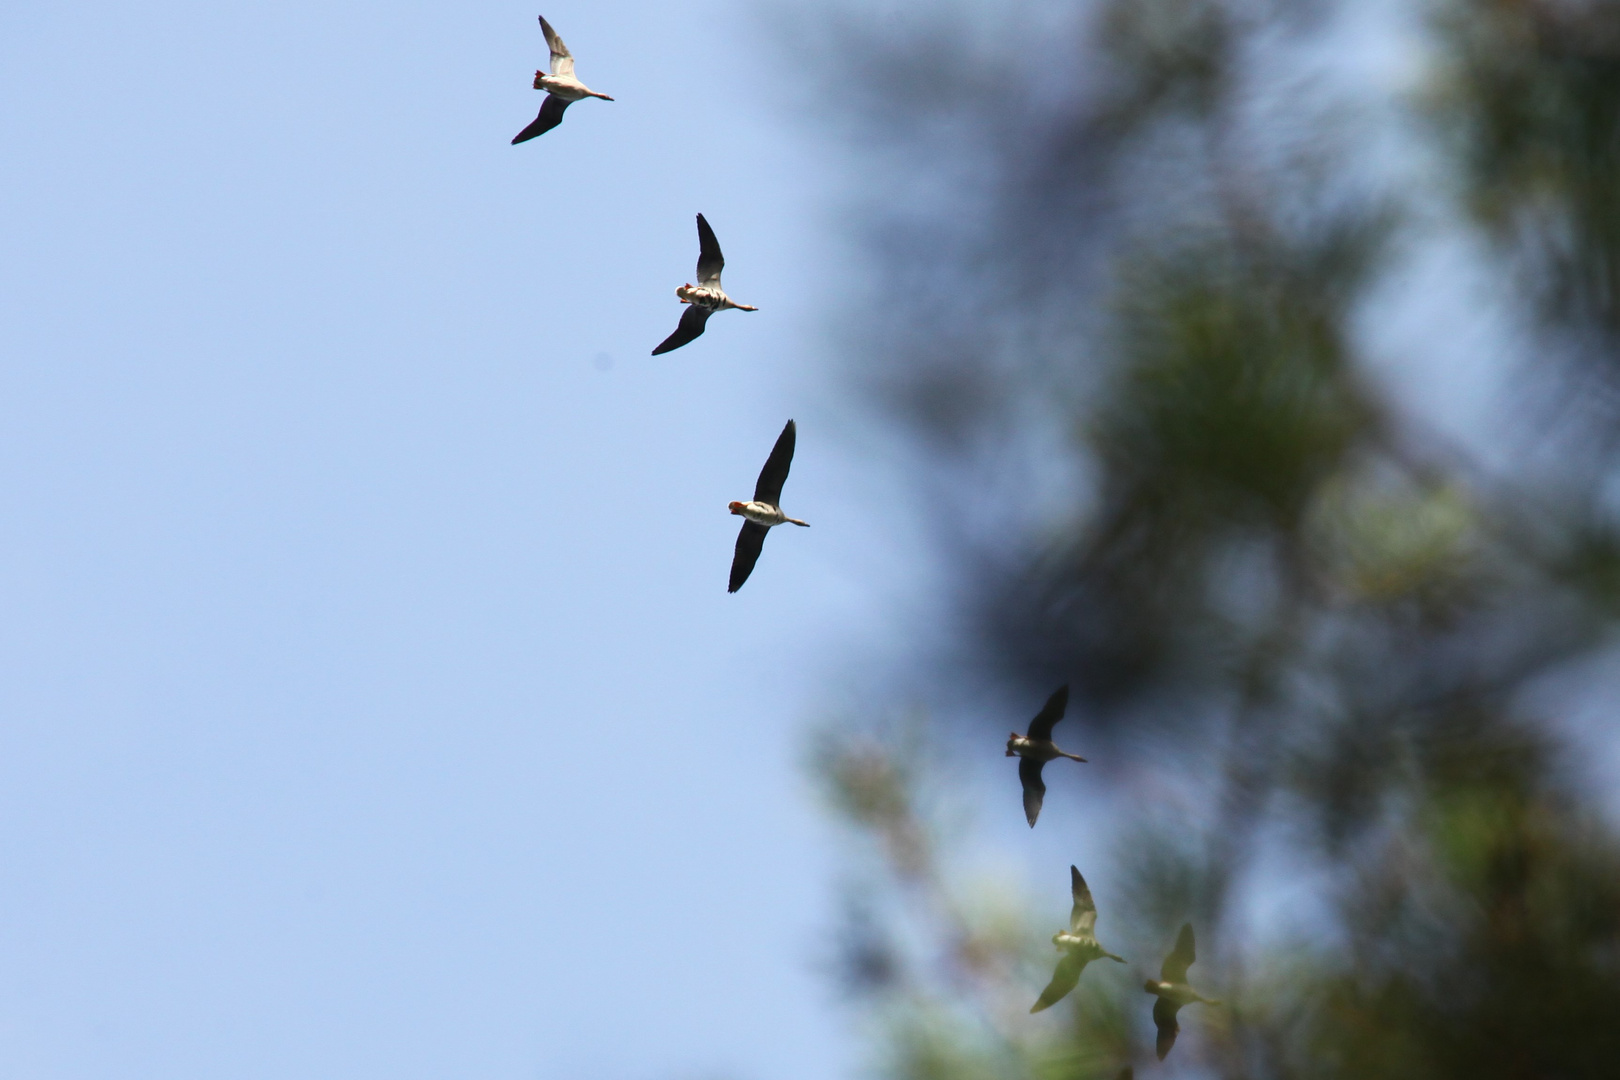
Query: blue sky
x=371, y=704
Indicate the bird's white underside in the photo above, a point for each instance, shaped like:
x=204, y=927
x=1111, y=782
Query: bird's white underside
x=762, y=513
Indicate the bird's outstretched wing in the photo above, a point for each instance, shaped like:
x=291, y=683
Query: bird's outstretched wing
x=1041, y=727
x=1177, y=963
x=1064, y=979
x=750, y=542
x=551, y=112
x=562, y=61
x=1083, y=917
x=768, y=488
x=1164, y=1018
x=710, y=261
x=1029, y=774
x=690, y=329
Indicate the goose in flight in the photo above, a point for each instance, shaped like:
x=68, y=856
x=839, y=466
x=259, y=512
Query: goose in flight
x=706, y=297
x=763, y=512
x=561, y=88
x=1172, y=990
x=1079, y=945
x=1036, y=749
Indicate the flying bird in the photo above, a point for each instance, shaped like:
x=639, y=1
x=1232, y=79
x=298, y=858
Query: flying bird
x=1172, y=990
x=561, y=88
x=706, y=297
x=763, y=513
x=1078, y=943
x=1036, y=749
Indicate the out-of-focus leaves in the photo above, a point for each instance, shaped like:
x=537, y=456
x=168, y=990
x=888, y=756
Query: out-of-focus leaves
x=1303, y=641
x=1532, y=96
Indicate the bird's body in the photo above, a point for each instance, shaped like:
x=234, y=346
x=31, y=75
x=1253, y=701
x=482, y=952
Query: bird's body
x=560, y=84
x=709, y=298
x=1036, y=749
x=762, y=512
x=1078, y=944
x=706, y=297
x=1177, y=994
x=566, y=87
x=1172, y=991
x=1041, y=750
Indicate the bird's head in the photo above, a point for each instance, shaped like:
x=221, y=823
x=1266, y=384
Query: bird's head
x=735, y=507
x=1153, y=986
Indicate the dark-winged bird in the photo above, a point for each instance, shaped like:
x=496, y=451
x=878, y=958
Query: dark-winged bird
x=561, y=88
x=1078, y=943
x=706, y=297
x=1172, y=990
x=1036, y=749
x=763, y=513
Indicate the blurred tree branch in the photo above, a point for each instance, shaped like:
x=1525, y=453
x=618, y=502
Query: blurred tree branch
x=1122, y=261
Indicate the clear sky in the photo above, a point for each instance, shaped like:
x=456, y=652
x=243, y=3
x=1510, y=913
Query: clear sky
x=371, y=703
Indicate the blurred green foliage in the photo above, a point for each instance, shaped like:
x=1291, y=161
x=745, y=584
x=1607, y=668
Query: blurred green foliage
x=1309, y=636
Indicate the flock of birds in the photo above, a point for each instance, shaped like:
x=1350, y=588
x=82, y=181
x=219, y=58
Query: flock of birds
x=1078, y=943
x=760, y=513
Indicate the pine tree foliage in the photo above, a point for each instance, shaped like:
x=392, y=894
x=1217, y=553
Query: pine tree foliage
x=1135, y=256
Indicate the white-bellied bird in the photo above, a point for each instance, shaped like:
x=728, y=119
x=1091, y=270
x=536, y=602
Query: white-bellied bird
x=1172, y=990
x=1036, y=749
x=561, y=88
x=706, y=297
x=1078, y=943
x=763, y=512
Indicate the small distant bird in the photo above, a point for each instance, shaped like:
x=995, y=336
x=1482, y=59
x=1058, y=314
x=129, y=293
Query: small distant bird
x=763, y=513
x=1036, y=749
x=706, y=297
x=1079, y=945
x=1172, y=990
x=561, y=88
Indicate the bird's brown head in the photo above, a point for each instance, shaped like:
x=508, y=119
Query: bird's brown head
x=735, y=507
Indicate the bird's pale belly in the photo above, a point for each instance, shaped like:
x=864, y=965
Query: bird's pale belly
x=762, y=513
x=697, y=296
x=1177, y=994
x=1029, y=748
x=567, y=89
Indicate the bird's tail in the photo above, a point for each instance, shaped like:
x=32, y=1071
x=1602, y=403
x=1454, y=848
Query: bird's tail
x=796, y=521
